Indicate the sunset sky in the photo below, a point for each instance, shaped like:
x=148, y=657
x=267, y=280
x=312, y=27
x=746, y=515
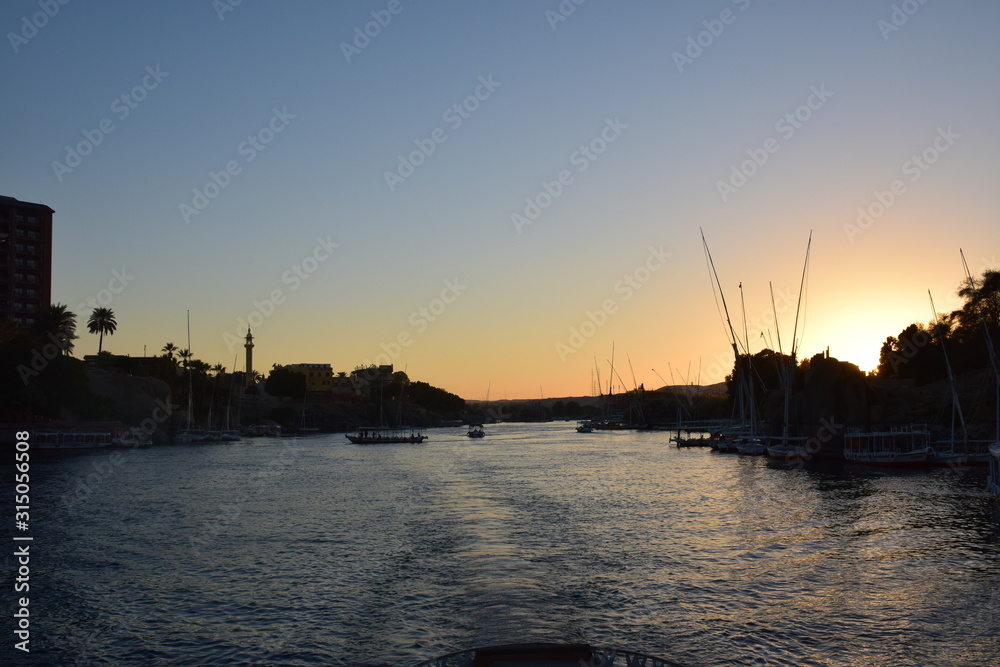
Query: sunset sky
x=494, y=194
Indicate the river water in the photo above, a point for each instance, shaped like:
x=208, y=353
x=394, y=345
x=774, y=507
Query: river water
x=315, y=551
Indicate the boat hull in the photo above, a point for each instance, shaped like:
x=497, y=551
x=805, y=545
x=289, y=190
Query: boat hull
x=380, y=435
x=912, y=459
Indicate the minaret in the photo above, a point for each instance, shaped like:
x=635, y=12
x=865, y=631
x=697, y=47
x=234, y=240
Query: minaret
x=249, y=347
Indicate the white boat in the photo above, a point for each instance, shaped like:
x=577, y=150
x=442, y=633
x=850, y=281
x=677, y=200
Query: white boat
x=899, y=448
x=789, y=448
x=993, y=483
x=584, y=427
x=476, y=431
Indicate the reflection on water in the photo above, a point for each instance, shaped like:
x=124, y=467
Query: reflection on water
x=322, y=552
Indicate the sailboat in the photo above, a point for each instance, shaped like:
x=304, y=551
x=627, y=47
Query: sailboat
x=788, y=447
x=727, y=442
x=969, y=453
x=190, y=434
x=303, y=429
x=386, y=435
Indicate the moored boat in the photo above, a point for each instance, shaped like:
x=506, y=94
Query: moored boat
x=902, y=448
x=700, y=441
x=751, y=447
x=961, y=455
x=476, y=431
x=993, y=482
x=788, y=448
x=61, y=440
x=132, y=438
x=584, y=427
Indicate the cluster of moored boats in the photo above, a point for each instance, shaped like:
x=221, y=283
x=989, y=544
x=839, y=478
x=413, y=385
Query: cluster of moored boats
x=905, y=447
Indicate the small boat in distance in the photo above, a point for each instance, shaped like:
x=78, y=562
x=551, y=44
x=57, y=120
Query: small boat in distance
x=476, y=431
x=584, y=427
x=386, y=435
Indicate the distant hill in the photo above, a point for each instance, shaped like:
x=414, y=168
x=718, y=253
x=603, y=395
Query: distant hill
x=717, y=389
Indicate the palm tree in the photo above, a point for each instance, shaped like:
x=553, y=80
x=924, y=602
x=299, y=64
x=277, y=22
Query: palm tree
x=218, y=369
x=61, y=323
x=185, y=354
x=169, y=350
x=102, y=321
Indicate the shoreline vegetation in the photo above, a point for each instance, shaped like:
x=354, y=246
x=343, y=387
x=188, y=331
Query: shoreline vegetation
x=45, y=385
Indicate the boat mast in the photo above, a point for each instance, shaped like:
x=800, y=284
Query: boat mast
x=731, y=332
x=187, y=362
x=955, y=405
x=790, y=370
x=748, y=378
x=989, y=344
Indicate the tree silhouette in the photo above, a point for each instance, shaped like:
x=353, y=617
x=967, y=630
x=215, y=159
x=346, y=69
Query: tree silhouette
x=61, y=323
x=102, y=321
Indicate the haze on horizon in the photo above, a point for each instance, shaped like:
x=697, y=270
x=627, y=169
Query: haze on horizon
x=494, y=195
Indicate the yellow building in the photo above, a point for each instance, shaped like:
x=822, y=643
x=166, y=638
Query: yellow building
x=319, y=377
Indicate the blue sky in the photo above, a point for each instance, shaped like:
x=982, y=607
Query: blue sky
x=882, y=90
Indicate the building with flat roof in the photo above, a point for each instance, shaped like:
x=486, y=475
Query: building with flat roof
x=25, y=260
x=319, y=377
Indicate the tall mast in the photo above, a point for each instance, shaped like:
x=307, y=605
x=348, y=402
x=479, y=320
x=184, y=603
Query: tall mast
x=790, y=370
x=188, y=363
x=733, y=338
x=989, y=344
x=956, y=407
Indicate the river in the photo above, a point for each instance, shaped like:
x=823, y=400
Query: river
x=314, y=551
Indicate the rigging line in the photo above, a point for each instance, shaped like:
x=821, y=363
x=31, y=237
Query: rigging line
x=802, y=287
x=956, y=405
x=715, y=296
x=731, y=333
x=774, y=309
x=982, y=319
